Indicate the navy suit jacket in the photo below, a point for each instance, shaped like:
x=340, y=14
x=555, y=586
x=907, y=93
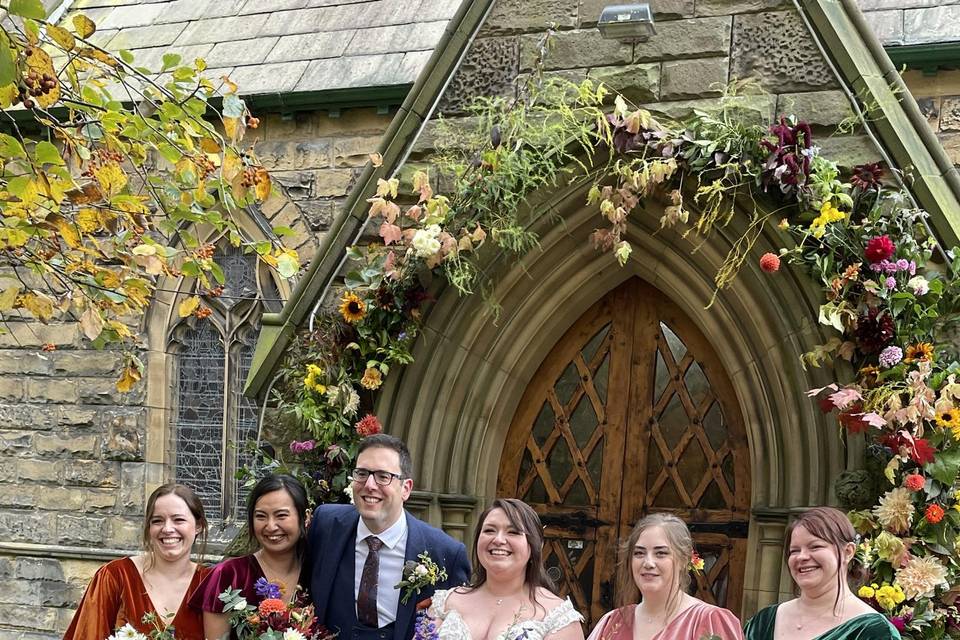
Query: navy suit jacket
x=331, y=542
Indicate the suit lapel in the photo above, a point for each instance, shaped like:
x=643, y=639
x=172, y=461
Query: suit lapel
x=344, y=531
x=416, y=544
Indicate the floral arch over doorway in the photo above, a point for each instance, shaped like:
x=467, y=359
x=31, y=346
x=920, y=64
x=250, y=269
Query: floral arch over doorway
x=739, y=176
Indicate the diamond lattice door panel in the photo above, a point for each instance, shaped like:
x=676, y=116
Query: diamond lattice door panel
x=631, y=413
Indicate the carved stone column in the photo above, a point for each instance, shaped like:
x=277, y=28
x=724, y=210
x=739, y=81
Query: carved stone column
x=456, y=512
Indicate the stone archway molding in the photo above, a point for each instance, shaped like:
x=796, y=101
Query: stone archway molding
x=454, y=404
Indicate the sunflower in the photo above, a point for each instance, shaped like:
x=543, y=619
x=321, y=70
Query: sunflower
x=922, y=351
x=949, y=419
x=352, y=308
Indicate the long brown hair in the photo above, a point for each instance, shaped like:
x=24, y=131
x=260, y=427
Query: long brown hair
x=832, y=526
x=681, y=545
x=193, y=503
x=524, y=519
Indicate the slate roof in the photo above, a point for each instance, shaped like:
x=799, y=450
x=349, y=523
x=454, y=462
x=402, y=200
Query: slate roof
x=279, y=46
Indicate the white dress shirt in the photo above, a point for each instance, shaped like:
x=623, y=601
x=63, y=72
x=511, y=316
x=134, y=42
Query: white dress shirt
x=391, y=566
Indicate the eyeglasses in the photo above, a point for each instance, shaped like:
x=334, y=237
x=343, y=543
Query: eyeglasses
x=379, y=476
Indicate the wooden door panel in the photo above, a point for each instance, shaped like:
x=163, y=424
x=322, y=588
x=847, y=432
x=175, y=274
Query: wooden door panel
x=630, y=413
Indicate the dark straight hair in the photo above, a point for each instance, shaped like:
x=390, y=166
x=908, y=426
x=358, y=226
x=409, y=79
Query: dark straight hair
x=834, y=527
x=294, y=489
x=524, y=519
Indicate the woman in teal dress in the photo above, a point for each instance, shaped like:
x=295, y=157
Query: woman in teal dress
x=819, y=550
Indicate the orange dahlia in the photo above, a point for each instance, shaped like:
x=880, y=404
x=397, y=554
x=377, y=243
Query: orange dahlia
x=272, y=605
x=934, y=513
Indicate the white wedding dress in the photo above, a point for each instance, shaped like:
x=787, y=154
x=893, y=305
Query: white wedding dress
x=452, y=627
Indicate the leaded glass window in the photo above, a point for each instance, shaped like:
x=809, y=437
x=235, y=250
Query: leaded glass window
x=211, y=417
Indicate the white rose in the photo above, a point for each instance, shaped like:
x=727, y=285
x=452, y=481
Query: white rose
x=919, y=285
x=240, y=604
x=293, y=634
x=420, y=570
x=425, y=242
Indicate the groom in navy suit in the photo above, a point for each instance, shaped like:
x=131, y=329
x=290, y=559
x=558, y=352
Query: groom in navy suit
x=356, y=552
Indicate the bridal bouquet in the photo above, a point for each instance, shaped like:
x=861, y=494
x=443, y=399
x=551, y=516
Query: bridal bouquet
x=128, y=632
x=273, y=618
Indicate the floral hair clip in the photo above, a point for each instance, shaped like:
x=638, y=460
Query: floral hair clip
x=696, y=563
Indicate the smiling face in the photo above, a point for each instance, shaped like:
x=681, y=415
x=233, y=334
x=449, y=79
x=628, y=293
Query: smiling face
x=275, y=522
x=173, y=528
x=380, y=505
x=654, y=562
x=813, y=562
x=502, y=548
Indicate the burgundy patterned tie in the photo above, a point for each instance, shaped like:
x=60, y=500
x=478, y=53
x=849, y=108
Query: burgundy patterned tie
x=367, y=596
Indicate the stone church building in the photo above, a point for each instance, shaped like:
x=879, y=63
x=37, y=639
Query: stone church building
x=716, y=428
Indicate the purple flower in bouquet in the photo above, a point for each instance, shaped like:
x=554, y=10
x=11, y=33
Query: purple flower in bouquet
x=302, y=447
x=424, y=627
x=890, y=357
x=266, y=589
x=890, y=282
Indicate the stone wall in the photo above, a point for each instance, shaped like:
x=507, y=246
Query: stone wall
x=925, y=22
x=905, y=22
x=74, y=473
x=700, y=48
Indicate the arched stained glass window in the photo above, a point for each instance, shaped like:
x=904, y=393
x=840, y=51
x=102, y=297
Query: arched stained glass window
x=211, y=418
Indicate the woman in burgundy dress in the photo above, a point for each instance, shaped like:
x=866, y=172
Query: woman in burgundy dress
x=277, y=523
x=652, y=587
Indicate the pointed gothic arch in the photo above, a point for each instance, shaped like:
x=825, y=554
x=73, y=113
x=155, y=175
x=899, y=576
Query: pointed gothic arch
x=455, y=404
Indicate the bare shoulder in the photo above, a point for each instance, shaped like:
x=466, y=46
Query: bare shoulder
x=459, y=598
x=548, y=598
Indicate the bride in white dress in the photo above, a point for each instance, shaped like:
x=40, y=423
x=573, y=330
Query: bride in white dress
x=510, y=597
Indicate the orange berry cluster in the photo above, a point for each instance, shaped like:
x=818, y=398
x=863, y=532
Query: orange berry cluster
x=252, y=122
x=250, y=177
x=202, y=312
x=216, y=292
x=205, y=252
x=204, y=164
x=99, y=158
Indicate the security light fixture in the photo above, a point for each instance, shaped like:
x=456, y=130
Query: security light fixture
x=627, y=22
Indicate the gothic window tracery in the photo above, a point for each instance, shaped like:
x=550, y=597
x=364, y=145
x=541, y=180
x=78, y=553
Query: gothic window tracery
x=210, y=418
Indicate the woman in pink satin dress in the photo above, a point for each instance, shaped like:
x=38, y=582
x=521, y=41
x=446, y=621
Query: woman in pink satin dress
x=652, y=583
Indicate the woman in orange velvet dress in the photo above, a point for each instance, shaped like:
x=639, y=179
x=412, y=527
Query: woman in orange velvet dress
x=652, y=585
x=159, y=581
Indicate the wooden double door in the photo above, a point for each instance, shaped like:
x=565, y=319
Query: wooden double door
x=631, y=413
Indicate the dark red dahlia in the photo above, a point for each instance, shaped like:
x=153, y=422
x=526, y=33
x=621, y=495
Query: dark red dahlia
x=867, y=176
x=879, y=248
x=875, y=330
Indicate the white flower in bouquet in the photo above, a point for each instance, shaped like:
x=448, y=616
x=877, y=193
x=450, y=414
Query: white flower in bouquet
x=919, y=285
x=421, y=570
x=349, y=491
x=293, y=634
x=426, y=241
x=240, y=604
x=352, y=402
x=127, y=632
